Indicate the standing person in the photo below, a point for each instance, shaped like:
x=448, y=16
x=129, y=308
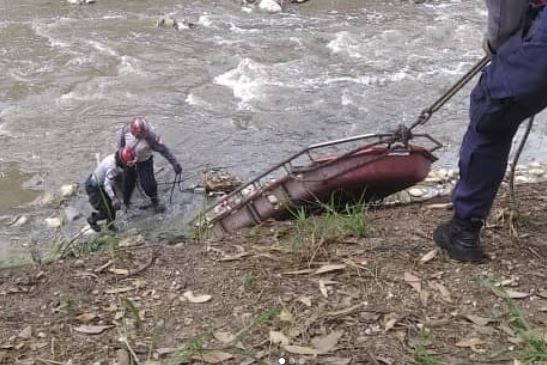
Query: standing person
x=140, y=137
x=99, y=187
x=512, y=88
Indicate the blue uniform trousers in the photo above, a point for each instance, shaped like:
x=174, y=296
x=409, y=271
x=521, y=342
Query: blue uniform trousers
x=512, y=88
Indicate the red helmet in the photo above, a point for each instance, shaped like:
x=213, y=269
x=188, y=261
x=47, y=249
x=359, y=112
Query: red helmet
x=127, y=156
x=138, y=127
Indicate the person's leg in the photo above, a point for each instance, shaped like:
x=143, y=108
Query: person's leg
x=148, y=182
x=129, y=181
x=92, y=191
x=511, y=89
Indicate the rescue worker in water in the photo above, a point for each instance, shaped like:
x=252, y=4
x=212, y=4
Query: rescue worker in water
x=99, y=187
x=512, y=88
x=141, y=138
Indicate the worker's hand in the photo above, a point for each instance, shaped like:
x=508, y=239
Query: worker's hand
x=490, y=52
x=178, y=169
x=116, y=204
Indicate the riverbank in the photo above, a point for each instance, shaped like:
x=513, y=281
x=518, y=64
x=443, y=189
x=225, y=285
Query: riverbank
x=286, y=290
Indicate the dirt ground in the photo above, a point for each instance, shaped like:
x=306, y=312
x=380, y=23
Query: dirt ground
x=387, y=298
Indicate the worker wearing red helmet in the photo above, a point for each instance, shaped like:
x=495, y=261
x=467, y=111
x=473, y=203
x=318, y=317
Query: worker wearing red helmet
x=140, y=137
x=99, y=187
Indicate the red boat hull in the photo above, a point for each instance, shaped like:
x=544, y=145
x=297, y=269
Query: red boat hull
x=371, y=173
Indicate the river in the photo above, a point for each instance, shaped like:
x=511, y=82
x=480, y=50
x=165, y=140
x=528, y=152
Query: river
x=241, y=90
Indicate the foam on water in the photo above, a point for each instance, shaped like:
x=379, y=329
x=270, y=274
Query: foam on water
x=102, y=48
x=192, y=99
x=41, y=30
x=129, y=65
x=246, y=80
x=345, y=43
x=205, y=20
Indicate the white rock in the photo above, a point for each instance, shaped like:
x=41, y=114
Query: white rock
x=521, y=179
x=536, y=172
x=273, y=199
x=19, y=221
x=416, y=192
x=44, y=199
x=271, y=6
x=54, y=222
x=69, y=190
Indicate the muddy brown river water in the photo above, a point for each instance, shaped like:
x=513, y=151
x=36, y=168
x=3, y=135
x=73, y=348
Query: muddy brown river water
x=241, y=90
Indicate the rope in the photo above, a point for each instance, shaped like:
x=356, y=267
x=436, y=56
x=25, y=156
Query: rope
x=512, y=197
x=427, y=113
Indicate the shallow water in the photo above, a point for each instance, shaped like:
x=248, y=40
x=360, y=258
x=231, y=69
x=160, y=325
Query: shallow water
x=242, y=90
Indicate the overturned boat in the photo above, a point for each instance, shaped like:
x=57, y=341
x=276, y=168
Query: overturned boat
x=369, y=167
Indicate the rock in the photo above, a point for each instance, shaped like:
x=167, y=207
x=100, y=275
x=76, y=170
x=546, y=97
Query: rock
x=270, y=6
x=122, y=357
x=167, y=21
x=132, y=241
x=18, y=221
x=416, y=192
x=45, y=199
x=69, y=190
x=219, y=180
x=54, y=222
x=71, y=214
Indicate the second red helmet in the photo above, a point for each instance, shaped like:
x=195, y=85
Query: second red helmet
x=127, y=156
x=138, y=127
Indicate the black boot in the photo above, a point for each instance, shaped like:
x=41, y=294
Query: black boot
x=157, y=206
x=460, y=239
x=92, y=221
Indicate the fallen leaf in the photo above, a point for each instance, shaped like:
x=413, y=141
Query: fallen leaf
x=38, y=345
x=234, y=257
x=116, y=271
x=329, y=268
x=103, y=267
x=166, y=350
x=345, y=311
x=413, y=281
x=445, y=294
x=479, y=321
x=298, y=272
x=118, y=290
x=286, y=316
x=516, y=294
x=508, y=330
x=336, y=361
x=325, y=344
x=542, y=293
x=278, y=337
x=91, y=330
x=323, y=289
x=390, y=321
x=86, y=317
x=471, y=343
x=26, y=333
x=300, y=350
x=213, y=357
x=197, y=299
x=439, y=206
x=429, y=256
x=224, y=337
x=305, y=300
